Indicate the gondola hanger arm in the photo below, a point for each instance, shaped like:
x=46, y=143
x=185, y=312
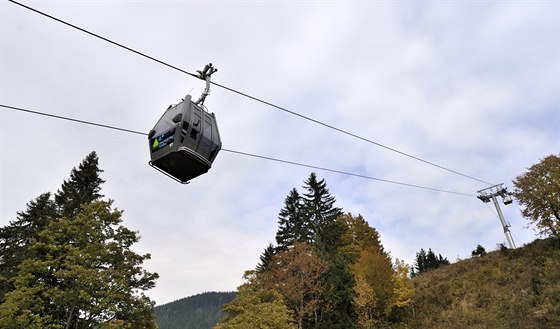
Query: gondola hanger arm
x=205, y=75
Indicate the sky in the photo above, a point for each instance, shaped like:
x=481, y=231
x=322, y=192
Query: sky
x=472, y=86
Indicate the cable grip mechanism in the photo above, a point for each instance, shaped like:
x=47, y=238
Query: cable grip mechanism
x=205, y=75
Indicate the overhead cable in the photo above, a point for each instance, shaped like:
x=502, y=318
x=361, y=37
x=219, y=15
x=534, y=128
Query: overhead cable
x=255, y=98
x=239, y=152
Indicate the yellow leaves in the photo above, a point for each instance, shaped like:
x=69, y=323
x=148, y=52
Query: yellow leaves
x=403, y=286
x=256, y=307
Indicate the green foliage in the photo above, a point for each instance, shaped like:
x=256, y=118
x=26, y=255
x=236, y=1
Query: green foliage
x=15, y=238
x=427, y=261
x=338, y=311
x=520, y=289
x=479, y=251
x=83, y=187
x=202, y=311
x=319, y=210
x=266, y=258
x=83, y=272
x=538, y=191
x=68, y=263
x=293, y=225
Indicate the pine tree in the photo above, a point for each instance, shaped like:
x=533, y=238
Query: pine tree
x=431, y=260
x=420, y=262
x=338, y=310
x=427, y=261
x=292, y=224
x=479, y=251
x=83, y=187
x=319, y=210
x=16, y=237
x=266, y=258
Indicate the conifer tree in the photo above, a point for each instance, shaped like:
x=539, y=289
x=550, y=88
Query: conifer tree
x=320, y=211
x=16, y=237
x=82, y=187
x=292, y=224
x=479, y=251
x=319, y=208
x=266, y=258
x=427, y=261
x=420, y=262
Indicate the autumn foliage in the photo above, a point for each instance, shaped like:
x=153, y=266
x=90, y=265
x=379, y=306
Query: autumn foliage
x=329, y=267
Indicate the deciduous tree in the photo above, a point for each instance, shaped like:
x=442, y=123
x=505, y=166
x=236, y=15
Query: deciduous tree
x=403, y=286
x=83, y=274
x=256, y=307
x=297, y=274
x=375, y=287
x=538, y=191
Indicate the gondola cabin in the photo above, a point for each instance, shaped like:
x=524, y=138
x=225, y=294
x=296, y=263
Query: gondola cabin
x=185, y=141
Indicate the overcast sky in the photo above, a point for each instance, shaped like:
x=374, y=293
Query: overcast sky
x=469, y=85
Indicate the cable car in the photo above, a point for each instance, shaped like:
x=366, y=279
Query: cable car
x=185, y=141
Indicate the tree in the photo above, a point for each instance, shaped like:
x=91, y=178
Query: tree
x=83, y=187
x=375, y=287
x=266, y=258
x=337, y=305
x=538, y=191
x=292, y=224
x=478, y=251
x=403, y=286
x=319, y=210
x=256, y=307
x=297, y=274
x=84, y=274
x=359, y=236
x=16, y=237
x=419, y=263
x=427, y=261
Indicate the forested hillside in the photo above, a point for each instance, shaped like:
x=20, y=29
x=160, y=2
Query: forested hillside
x=504, y=289
x=201, y=311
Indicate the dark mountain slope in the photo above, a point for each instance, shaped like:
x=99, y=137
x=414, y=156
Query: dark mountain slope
x=196, y=312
